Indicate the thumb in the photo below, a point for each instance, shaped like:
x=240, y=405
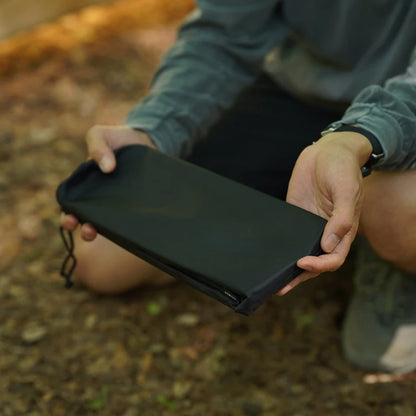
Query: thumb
x=336, y=242
x=342, y=224
x=99, y=149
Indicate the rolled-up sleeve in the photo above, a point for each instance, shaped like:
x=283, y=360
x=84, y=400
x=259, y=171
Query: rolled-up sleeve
x=219, y=51
x=389, y=112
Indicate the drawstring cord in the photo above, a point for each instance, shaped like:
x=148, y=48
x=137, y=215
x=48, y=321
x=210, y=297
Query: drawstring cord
x=70, y=261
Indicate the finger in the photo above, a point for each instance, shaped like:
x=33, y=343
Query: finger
x=321, y=264
x=295, y=282
x=88, y=232
x=327, y=262
x=69, y=222
x=100, y=150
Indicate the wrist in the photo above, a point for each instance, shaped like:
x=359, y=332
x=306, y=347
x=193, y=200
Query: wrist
x=144, y=138
x=355, y=143
x=376, y=153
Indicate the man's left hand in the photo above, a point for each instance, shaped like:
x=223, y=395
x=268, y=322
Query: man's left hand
x=327, y=181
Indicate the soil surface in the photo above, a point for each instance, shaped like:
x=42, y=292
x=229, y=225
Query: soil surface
x=154, y=351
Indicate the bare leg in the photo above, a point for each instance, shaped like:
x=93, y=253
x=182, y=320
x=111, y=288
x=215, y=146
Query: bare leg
x=388, y=219
x=379, y=331
x=104, y=267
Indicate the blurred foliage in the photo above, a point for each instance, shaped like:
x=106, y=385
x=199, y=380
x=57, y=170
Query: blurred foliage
x=95, y=22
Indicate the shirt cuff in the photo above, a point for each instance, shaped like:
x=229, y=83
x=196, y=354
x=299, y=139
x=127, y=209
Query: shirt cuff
x=168, y=135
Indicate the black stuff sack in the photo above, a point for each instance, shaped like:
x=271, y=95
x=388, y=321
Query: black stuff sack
x=236, y=244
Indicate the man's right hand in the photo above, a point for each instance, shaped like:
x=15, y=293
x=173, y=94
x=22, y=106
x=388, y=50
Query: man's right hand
x=101, y=143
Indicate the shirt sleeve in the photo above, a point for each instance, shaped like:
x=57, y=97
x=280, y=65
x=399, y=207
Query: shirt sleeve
x=219, y=51
x=389, y=112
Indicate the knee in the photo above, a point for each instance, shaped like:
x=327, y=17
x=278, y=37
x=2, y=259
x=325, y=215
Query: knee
x=388, y=219
x=90, y=273
x=394, y=246
x=399, y=250
x=106, y=268
x=99, y=265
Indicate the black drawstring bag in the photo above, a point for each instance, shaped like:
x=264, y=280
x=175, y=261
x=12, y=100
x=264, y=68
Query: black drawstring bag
x=234, y=243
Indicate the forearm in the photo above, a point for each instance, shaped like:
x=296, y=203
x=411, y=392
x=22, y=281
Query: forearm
x=219, y=51
x=389, y=113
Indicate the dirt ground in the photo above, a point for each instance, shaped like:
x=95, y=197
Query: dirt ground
x=169, y=351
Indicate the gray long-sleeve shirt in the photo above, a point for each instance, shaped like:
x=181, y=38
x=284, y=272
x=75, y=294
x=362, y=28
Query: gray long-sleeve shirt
x=335, y=51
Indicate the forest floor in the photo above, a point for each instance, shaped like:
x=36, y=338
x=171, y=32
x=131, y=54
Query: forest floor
x=154, y=351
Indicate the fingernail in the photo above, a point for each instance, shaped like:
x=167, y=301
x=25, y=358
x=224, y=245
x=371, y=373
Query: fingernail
x=105, y=163
x=331, y=242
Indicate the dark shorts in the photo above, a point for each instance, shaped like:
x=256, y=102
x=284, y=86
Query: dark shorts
x=258, y=140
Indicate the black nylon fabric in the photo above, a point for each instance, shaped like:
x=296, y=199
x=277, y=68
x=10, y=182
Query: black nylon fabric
x=232, y=242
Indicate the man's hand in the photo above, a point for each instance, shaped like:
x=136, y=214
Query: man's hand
x=327, y=181
x=101, y=143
